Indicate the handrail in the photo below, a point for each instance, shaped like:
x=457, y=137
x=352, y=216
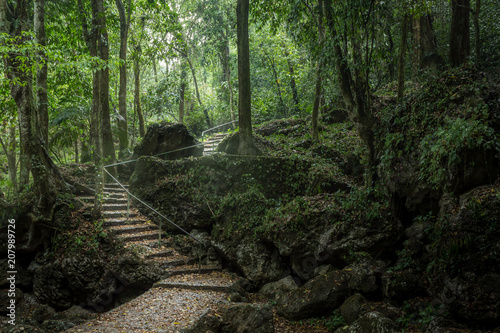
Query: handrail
x=210, y=129
x=145, y=204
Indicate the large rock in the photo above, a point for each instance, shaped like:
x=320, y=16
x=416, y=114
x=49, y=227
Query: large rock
x=247, y=318
x=372, y=322
x=352, y=308
x=399, y=286
x=258, y=263
x=275, y=289
x=165, y=137
x=364, y=275
x=319, y=296
x=91, y=283
x=466, y=257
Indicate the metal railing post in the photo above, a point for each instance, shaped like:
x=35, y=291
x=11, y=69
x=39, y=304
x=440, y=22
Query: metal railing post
x=128, y=206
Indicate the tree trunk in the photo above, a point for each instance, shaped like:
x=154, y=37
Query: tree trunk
x=182, y=92
x=47, y=181
x=317, y=99
x=317, y=95
x=9, y=149
x=293, y=84
x=108, y=149
x=41, y=77
x=355, y=92
x=205, y=111
x=227, y=73
x=122, y=95
x=137, y=96
x=402, y=59
x=276, y=80
x=477, y=32
x=246, y=145
x=417, y=46
x=459, y=32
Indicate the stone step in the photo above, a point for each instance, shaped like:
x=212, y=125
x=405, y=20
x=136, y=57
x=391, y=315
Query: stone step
x=115, y=195
x=160, y=254
x=110, y=222
x=121, y=200
x=132, y=228
x=118, y=214
x=107, y=207
x=194, y=286
x=191, y=270
x=147, y=235
x=115, y=185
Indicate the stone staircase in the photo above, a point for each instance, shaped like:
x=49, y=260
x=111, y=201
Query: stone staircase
x=183, y=278
x=210, y=146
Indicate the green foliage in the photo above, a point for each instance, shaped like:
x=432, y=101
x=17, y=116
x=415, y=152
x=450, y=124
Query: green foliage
x=83, y=237
x=440, y=125
x=421, y=317
x=443, y=151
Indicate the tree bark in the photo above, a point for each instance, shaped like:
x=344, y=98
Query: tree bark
x=205, y=111
x=137, y=95
x=41, y=77
x=402, y=59
x=459, y=32
x=276, y=80
x=293, y=84
x=227, y=73
x=317, y=95
x=182, y=92
x=108, y=149
x=9, y=149
x=122, y=95
x=477, y=31
x=47, y=181
x=246, y=144
x=355, y=91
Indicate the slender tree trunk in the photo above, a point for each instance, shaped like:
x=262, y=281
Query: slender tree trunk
x=227, y=74
x=205, y=111
x=317, y=95
x=182, y=92
x=108, y=149
x=356, y=92
x=122, y=95
x=417, y=46
x=41, y=77
x=276, y=80
x=459, y=32
x=155, y=74
x=137, y=97
x=9, y=149
x=402, y=59
x=77, y=152
x=477, y=31
x=293, y=84
x=246, y=145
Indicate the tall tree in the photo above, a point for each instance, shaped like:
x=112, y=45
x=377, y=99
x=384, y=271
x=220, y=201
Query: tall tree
x=402, y=58
x=182, y=92
x=459, y=32
x=47, y=181
x=41, y=77
x=246, y=145
x=108, y=148
x=353, y=75
x=317, y=93
x=122, y=95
